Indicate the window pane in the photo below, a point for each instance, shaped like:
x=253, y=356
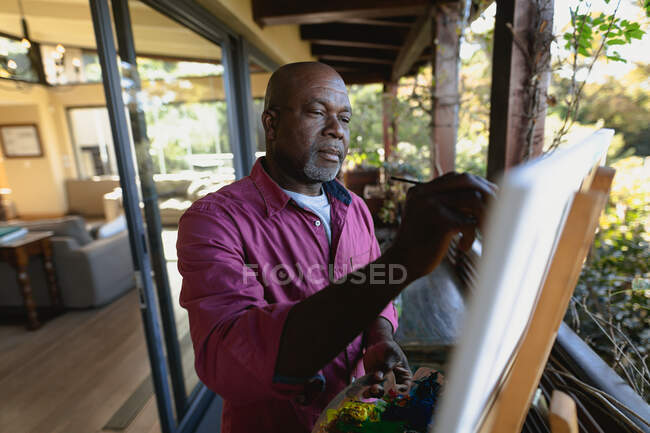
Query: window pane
x=91, y=134
x=259, y=77
x=181, y=103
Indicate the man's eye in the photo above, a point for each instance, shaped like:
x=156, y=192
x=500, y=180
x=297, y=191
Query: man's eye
x=316, y=112
x=345, y=119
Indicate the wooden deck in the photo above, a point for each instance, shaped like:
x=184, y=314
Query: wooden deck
x=75, y=372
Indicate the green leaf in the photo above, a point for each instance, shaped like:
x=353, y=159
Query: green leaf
x=617, y=59
x=583, y=51
x=615, y=42
x=637, y=34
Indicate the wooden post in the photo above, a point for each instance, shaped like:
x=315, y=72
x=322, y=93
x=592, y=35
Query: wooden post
x=520, y=75
x=444, y=121
x=388, y=118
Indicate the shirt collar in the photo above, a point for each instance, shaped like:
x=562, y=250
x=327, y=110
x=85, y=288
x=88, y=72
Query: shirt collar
x=275, y=199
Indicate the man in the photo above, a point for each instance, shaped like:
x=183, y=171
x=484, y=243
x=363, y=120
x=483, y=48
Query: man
x=279, y=324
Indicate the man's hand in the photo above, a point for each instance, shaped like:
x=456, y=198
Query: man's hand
x=434, y=212
x=384, y=355
x=380, y=359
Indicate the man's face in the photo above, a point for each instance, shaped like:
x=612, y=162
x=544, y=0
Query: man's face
x=311, y=131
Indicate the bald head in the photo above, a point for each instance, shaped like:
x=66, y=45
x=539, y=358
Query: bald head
x=287, y=79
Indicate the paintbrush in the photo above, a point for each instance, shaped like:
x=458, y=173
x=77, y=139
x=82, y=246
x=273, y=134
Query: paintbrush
x=401, y=179
x=472, y=218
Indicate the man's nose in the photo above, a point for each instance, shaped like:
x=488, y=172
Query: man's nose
x=334, y=128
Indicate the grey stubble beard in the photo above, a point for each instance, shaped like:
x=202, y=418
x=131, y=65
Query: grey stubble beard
x=319, y=174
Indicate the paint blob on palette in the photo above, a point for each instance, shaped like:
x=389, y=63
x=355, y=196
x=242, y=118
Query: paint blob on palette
x=395, y=412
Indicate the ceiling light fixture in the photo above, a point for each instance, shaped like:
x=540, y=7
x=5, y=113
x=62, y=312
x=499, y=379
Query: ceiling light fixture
x=25, y=40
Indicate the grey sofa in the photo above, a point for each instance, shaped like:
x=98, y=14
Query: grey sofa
x=90, y=272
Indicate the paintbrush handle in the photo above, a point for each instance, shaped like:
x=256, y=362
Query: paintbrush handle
x=401, y=179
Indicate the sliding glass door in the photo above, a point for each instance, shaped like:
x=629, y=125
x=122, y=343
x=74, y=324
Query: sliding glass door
x=184, y=81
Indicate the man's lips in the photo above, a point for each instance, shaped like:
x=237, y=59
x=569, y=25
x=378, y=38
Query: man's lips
x=330, y=154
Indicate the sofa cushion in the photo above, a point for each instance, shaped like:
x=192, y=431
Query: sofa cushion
x=71, y=226
x=85, y=196
x=112, y=228
x=171, y=185
x=171, y=210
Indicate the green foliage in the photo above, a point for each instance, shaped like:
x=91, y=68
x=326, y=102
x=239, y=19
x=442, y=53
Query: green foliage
x=159, y=69
x=180, y=130
x=611, y=304
x=619, y=103
x=366, y=130
x=366, y=137
x=612, y=30
x=474, y=110
x=589, y=37
x=364, y=159
x=411, y=108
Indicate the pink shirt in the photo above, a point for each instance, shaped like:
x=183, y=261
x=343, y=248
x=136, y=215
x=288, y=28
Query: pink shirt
x=237, y=312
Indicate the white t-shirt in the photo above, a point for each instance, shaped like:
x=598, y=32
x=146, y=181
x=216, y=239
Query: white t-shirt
x=319, y=204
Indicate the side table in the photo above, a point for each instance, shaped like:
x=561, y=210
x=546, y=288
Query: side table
x=17, y=253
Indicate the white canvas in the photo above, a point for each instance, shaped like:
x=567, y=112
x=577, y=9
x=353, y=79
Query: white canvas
x=520, y=237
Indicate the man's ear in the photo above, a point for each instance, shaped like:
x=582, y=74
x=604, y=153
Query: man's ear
x=270, y=122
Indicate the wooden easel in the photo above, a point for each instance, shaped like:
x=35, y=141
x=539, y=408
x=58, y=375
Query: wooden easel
x=513, y=399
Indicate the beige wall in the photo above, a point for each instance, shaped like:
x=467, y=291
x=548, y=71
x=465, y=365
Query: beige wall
x=4, y=183
x=36, y=183
x=280, y=43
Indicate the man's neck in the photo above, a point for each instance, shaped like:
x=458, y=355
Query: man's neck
x=288, y=182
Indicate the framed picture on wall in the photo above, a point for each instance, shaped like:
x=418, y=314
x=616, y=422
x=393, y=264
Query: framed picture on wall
x=20, y=141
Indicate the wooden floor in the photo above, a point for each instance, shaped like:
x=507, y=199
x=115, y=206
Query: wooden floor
x=75, y=372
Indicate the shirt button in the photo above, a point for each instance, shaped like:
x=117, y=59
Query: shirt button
x=317, y=223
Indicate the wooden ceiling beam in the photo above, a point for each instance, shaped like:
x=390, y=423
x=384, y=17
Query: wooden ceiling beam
x=351, y=35
x=358, y=67
x=364, y=77
x=358, y=44
x=419, y=38
x=276, y=12
x=353, y=54
x=372, y=22
x=334, y=58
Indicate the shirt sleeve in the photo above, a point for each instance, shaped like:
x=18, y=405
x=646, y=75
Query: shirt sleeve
x=235, y=332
